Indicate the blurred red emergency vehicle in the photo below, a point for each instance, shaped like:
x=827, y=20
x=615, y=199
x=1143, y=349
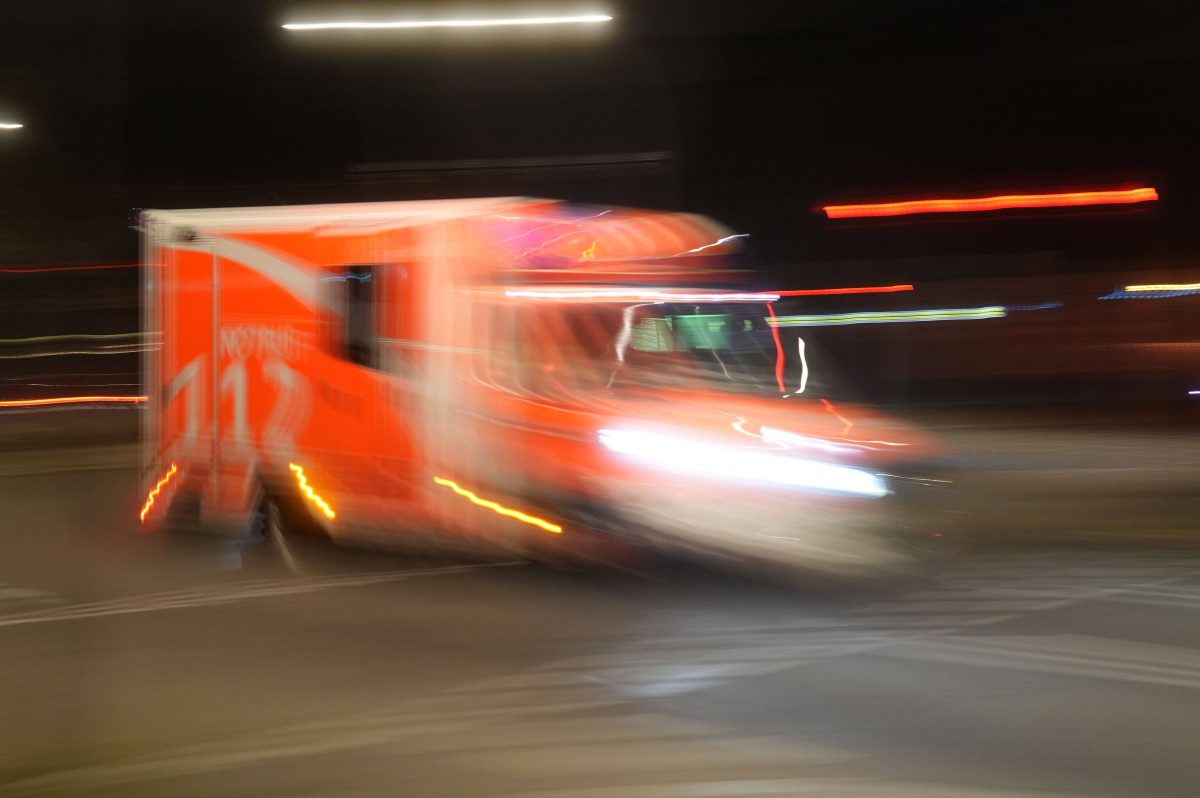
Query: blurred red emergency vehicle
x=497, y=375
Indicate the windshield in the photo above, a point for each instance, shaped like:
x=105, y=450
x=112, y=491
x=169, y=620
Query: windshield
x=562, y=347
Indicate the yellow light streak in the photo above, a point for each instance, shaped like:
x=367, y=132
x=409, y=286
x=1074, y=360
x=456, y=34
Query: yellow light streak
x=156, y=490
x=499, y=509
x=1165, y=287
x=308, y=491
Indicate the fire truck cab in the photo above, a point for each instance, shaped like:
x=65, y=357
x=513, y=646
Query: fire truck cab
x=496, y=375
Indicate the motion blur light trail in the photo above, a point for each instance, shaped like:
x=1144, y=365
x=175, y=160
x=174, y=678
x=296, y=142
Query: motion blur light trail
x=1040, y=306
x=888, y=317
x=684, y=455
x=162, y=483
x=633, y=295
x=308, y=491
x=1148, y=293
x=1165, y=287
x=997, y=203
x=868, y=289
x=716, y=243
x=499, y=509
x=828, y=405
x=120, y=349
x=495, y=22
x=72, y=400
x=75, y=337
x=779, y=361
x=42, y=269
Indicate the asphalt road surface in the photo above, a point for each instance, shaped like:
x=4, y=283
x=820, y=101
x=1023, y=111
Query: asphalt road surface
x=136, y=665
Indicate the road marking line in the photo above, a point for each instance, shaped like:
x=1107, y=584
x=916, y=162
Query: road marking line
x=26, y=593
x=219, y=595
x=1061, y=659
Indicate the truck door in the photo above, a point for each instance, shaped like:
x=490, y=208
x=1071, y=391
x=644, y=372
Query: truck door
x=364, y=407
x=187, y=425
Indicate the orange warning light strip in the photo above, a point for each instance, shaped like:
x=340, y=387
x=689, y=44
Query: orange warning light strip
x=500, y=509
x=156, y=490
x=308, y=491
x=71, y=400
x=972, y=204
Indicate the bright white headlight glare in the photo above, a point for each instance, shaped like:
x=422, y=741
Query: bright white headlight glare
x=687, y=456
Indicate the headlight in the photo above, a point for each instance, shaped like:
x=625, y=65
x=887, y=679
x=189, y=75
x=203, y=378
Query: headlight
x=687, y=456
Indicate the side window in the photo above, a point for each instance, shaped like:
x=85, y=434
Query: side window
x=353, y=334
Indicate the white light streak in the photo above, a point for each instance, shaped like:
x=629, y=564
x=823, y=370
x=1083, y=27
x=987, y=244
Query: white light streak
x=11, y=126
x=495, y=22
x=123, y=350
x=792, y=440
x=626, y=333
x=688, y=456
x=740, y=426
x=803, y=368
x=719, y=242
x=627, y=295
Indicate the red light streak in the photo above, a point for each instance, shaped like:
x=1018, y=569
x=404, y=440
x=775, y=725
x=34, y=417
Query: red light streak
x=829, y=406
x=71, y=400
x=1002, y=202
x=868, y=289
x=70, y=268
x=778, y=351
x=156, y=490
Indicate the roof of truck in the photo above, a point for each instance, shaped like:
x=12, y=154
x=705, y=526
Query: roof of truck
x=289, y=216
x=545, y=235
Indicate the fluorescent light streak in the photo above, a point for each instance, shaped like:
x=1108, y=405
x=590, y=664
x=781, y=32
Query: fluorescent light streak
x=156, y=490
x=87, y=385
x=1042, y=306
x=74, y=337
x=1193, y=393
x=123, y=349
x=39, y=270
x=632, y=295
x=868, y=289
x=1146, y=294
x=1165, y=287
x=694, y=457
x=499, y=509
x=718, y=242
x=11, y=126
x=494, y=22
x=889, y=317
x=1002, y=202
x=73, y=400
x=302, y=481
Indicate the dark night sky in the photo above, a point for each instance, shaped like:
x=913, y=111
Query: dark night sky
x=767, y=108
